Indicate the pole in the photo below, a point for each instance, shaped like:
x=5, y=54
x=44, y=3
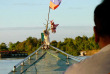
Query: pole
x=48, y=19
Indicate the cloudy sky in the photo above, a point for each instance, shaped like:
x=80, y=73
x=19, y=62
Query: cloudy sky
x=33, y=13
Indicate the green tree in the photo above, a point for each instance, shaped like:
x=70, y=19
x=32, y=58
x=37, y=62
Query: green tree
x=3, y=47
x=54, y=43
x=59, y=45
x=10, y=46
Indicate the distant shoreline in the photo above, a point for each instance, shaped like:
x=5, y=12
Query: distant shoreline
x=14, y=34
x=12, y=54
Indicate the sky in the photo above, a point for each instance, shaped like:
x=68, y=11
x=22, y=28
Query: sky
x=34, y=13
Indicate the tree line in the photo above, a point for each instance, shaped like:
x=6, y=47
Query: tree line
x=69, y=45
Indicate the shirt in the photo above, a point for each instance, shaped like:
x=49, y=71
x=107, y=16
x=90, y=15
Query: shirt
x=96, y=64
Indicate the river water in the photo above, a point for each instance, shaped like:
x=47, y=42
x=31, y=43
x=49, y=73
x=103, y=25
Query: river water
x=6, y=65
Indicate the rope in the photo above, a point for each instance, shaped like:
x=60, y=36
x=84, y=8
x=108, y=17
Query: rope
x=75, y=58
x=55, y=56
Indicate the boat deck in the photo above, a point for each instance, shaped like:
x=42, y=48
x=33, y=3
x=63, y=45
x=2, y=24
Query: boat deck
x=44, y=62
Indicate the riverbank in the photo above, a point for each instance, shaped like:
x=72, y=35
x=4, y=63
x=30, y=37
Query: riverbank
x=12, y=54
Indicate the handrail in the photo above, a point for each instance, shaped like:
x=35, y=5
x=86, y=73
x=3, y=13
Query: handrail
x=68, y=55
x=34, y=62
x=72, y=57
x=27, y=57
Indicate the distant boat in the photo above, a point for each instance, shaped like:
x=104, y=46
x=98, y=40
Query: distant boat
x=12, y=54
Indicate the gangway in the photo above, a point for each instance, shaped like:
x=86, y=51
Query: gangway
x=45, y=61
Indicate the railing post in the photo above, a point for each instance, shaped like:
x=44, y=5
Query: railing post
x=22, y=64
x=67, y=62
x=67, y=56
x=36, y=53
x=14, y=69
x=22, y=67
x=29, y=58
